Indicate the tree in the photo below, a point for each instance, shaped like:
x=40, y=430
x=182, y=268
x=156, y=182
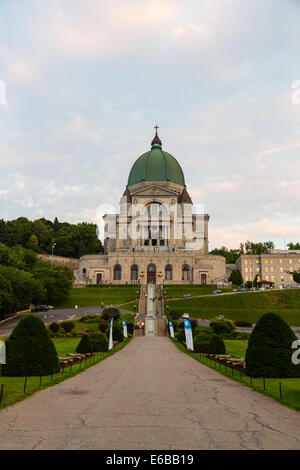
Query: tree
x=293, y=246
x=111, y=312
x=269, y=352
x=236, y=277
x=117, y=332
x=296, y=276
x=30, y=350
x=216, y=345
x=84, y=345
x=230, y=255
x=32, y=243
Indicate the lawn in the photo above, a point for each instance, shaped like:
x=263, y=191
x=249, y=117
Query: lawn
x=243, y=306
x=93, y=296
x=290, y=388
x=193, y=290
x=65, y=345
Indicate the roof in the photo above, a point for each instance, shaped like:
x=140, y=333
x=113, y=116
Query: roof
x=156, y=165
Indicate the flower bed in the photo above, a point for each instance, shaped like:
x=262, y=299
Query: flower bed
x=233, y=362
x=73, y=358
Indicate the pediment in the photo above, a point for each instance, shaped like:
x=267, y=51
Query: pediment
x=154, y=190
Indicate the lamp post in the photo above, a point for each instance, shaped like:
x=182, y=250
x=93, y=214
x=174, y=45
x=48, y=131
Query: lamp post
x=53, y=245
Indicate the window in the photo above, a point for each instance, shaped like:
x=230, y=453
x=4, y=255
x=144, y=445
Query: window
x=185, y=272
x=168, y=272
x=134, y=270
x=246, y=261
x=117, y=272
x=83, y=271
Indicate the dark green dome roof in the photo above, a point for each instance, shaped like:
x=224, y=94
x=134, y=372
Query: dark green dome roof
x=156, y=165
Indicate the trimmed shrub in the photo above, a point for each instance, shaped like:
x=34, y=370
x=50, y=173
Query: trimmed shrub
x=68, y=326
x=54, y=327
x=103, y=326
x=222, y=325
x=111, y=312
x=99, y=342
x=117, y=333
x=269, y=352
x=216, y=345
x=174, y=315
x=201, y=343
x=180, y=335
x=30, y=350
x=84, y=345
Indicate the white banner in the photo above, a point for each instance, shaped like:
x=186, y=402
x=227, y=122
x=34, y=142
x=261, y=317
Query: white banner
x=124, y=329
x=188, y=335
x=2, y=353
x=110, y=344
x=171, y=327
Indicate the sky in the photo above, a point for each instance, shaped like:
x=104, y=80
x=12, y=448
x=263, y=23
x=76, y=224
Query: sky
x=83, y=82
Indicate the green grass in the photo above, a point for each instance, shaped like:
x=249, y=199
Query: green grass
x=236, y=348
x=290, y=387
x=194, y=290
x=13, y=387
x=93, y=296
x=243, y=306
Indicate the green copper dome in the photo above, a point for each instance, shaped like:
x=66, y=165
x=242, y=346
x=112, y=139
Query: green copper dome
x=156, y=165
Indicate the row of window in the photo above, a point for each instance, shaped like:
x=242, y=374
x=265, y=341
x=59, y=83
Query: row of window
x=151, y=270
x=271, y=261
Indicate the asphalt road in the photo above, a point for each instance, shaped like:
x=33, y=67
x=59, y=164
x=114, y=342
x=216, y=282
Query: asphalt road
x=53, y=316
x=149, y=396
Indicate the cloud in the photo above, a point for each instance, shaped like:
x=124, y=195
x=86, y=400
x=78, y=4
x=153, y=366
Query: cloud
x=277, y=150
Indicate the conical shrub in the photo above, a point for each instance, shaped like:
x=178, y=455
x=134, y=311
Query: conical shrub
x=216, y=345
x=30, y=350
x=269, y=352
x=84, y=345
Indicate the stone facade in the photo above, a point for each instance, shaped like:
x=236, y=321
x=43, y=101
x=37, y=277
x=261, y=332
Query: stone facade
x=156, y=237
x=274, y=267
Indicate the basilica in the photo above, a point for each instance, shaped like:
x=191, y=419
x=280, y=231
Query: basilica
x=156, y=237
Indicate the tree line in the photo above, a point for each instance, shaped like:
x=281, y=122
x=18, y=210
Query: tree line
x=249, y=248
x=39, y=236
x=25, y=279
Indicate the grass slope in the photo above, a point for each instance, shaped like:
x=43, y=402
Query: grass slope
x=243, y=306
x=93, y=296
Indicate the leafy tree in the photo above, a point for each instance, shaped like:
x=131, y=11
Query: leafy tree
x=230, y=255
x=269, y=352
x=30, y=350
x=296, y=276
x=293, y=246
x=236, y=277
x=111, y=312
x=7, y=300
x=216, y=345
x=32, y=243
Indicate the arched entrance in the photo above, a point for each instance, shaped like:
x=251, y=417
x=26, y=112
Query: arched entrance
x=151, y=274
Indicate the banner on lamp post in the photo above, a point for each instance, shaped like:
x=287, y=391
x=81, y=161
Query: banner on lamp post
x=188, y=335
x=111, y=343
x=124, y=329
x=171, y=328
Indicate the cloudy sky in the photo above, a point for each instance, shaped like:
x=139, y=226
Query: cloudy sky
x=86, y=81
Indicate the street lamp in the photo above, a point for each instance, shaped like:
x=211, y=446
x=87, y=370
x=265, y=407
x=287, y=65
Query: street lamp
x=52, y=253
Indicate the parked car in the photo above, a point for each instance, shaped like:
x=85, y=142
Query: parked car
x=243, y=289
x=253, y=288
x=40, y=308
x=234, y=290
x=215, y=292
x=186, y=295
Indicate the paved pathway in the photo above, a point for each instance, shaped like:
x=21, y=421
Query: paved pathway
x=149, y=396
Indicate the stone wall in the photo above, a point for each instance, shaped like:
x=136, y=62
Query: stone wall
x=71, y=263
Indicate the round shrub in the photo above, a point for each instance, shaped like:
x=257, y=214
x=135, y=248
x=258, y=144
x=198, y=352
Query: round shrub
x=84, y=345
x=174, y=315
x=222, y=326
x=269, y=352
x=54, y=327
x=99, y=342
x=30, y=350
x=111, y=312
x=68, y=326
x=201, y=343
x=216, y=345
